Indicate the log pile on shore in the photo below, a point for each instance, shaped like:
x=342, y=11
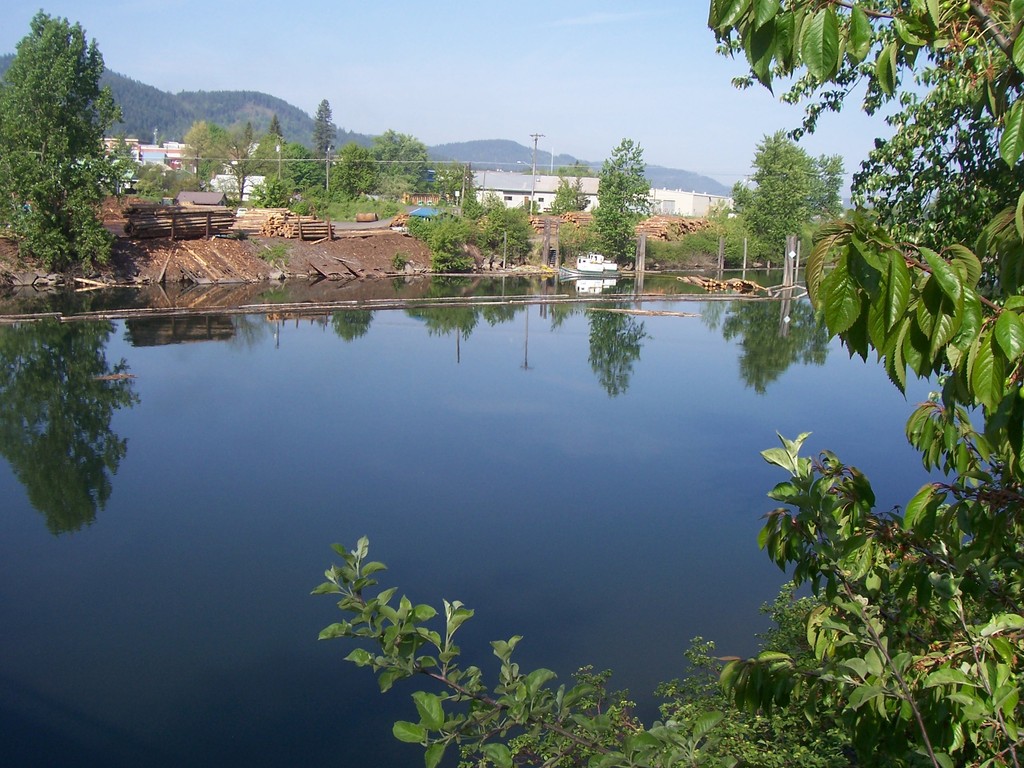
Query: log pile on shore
x=177, y=222
x=670, y=227
x=284, y=223
x=253, y=221
x=579, y=218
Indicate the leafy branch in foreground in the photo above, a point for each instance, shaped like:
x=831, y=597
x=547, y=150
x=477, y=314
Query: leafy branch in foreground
x=564, y=726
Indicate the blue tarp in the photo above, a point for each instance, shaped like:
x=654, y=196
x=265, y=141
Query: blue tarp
x=424, y=213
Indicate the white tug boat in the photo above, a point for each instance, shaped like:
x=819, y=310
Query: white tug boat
x=593, y=264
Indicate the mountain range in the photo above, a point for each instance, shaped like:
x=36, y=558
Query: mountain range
x=152, y=114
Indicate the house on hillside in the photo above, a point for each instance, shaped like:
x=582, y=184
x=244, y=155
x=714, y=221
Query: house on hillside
x=515, y=189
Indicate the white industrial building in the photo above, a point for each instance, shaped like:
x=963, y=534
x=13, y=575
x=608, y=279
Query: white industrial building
x=676, y=202
x=516, y=189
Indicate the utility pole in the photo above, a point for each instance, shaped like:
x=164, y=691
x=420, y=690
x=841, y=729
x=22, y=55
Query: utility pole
x=328, y=165
x=533, y=180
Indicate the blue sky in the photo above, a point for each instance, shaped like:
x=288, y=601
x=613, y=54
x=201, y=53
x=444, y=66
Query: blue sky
x=584, y=74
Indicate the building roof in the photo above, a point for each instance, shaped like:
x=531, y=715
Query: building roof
x=523, y=183
x=200, y=198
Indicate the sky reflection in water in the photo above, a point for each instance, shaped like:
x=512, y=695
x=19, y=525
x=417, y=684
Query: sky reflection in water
x=588, y=480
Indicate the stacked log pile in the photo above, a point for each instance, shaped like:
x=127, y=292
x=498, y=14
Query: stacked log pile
x=253, y=222
x=401, y=220
x=283, y=223
x=669, y=227
x=579, y=218
x=176, y=221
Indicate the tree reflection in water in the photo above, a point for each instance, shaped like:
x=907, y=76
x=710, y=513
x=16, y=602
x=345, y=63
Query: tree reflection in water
x=769, y=344
x=59, y=393
x=351, y=324
x=614, y=347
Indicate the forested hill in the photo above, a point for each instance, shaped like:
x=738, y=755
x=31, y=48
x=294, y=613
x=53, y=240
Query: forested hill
x=509, y=156
x=146, y=109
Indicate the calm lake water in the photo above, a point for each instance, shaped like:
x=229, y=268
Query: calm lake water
x=590, y=480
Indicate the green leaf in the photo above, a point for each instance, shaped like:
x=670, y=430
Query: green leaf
x=705, y=723
x=920, y=512
x=966, y=264
x=537, y=678
x=499, y=754
x=862, y=694
x=410, y=733
x=986, y=373
x=885, y=69
x=759, y=46
x=830, y=236
x=820, y=45
x=1018, y=52
x=947, y=278
x=860, y=34
x=423, y=612
x=431, y=710
x=1016, y=11
x=764, y=11
x=840, y=299
x=338, y=629
x=433, y=755
x=898, y=284
x=725, y=13
x=1011, y=144
x=1018, y=213
x=948, y=676
x=327, y=588
x=1009, y=334
x=360, y=657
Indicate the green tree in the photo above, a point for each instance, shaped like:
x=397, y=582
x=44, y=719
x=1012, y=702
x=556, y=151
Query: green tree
x=569, y=196
x=355, y=172
x=779, y=204
x=270, y=193
x=576, y=170
x=53, y=169
x=623, y=197
x=206, y=148
x=825, y=200
x=505, y=232
x=324, y=131
x=453, y=180
x=275, y=127
x=240, y=147
x=402, y=160
x=447, y=238
x=124, y=167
